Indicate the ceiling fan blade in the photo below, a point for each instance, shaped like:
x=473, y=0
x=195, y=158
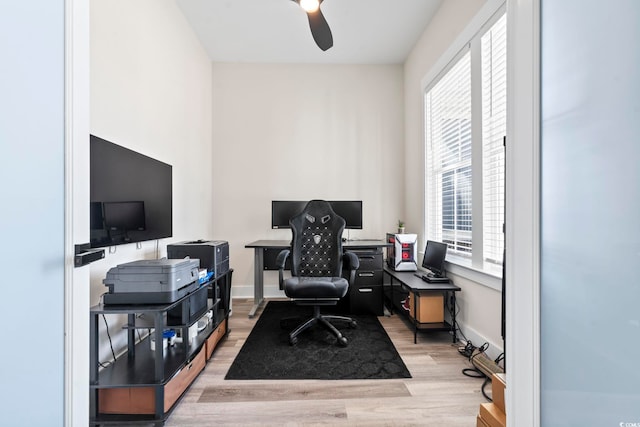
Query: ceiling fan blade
x=320, y=30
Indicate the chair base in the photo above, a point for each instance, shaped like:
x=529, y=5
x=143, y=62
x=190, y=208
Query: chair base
x=324, y=320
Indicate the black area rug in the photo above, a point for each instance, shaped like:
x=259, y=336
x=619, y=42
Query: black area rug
x=267, y=354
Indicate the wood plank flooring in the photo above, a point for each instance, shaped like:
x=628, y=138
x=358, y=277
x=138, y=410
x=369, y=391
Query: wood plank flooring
x=437, y=395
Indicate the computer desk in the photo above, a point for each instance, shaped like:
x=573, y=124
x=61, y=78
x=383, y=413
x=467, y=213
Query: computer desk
x=266, y=251
x=405, y=282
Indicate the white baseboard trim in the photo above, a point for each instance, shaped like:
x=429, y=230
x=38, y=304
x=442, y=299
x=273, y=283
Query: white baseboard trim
x=246, y=291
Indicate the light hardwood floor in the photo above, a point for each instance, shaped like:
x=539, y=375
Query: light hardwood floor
x=438, y=394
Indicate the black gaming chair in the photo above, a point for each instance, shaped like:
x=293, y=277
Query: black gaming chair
x=316, y=266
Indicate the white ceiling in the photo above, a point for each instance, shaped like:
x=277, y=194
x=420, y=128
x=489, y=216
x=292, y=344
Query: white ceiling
x=277, y=31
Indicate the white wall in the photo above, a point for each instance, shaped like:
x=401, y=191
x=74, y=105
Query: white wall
x=294, y=131
x=480, y=306
x=151, y=92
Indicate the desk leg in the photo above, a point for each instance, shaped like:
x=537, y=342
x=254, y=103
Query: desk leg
x=416, y=301
x=159, y=323
x=93, y=363
x=390, y=305
x=258, y=281
x=454, y=325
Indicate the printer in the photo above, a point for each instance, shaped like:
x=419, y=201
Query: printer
x=157, y=281
x=213, y=254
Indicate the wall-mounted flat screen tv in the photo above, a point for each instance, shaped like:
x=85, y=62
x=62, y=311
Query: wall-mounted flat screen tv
x=283, y=210
x=130, y=194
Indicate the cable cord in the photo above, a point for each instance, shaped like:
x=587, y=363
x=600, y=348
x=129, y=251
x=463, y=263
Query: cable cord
x=475, y=372
x=467, y=351
x=453, y=311
x=484, y=393
x=113, y=353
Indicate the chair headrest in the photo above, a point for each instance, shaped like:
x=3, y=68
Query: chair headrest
x=318, y=211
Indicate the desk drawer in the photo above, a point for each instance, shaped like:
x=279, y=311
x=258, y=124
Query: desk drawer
x=215, y=336
x=366, y=300
x=368, y=278
x=179, y=383
x=369, y=260
x=141, y=400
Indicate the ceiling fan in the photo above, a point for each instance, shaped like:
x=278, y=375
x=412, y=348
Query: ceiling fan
x=319, y=27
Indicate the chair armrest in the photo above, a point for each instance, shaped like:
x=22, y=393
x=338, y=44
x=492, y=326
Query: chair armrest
x=352, y=263
x=351, y=260
x=280, y=262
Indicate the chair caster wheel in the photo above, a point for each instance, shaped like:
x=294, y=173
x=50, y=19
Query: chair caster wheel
x=353, y=324
x=343, y=341
x=293, y=341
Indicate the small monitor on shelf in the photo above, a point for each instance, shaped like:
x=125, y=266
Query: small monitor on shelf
x=434, y=255
x=124, y=216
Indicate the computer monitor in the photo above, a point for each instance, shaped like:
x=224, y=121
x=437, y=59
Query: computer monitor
x=351, y=211
x=434, y=255
x=283, y=210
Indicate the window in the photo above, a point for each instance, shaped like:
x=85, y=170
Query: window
x=465, y=124
x=494, y=129
x=448, y=139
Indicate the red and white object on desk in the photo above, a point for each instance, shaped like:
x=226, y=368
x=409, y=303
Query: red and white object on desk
x=402, y=255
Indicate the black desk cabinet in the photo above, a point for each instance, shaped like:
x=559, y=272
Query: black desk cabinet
x=143, y=386
x=365, y=294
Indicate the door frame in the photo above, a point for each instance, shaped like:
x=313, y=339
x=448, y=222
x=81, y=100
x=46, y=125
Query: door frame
x=523, y=214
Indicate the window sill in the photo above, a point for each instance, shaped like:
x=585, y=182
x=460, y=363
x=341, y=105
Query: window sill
x=489, y=275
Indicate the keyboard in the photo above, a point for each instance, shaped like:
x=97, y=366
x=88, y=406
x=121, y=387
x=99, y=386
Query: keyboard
x=431, y=278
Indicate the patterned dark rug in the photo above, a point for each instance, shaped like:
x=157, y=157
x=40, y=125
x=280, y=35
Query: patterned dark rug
x=267, y=354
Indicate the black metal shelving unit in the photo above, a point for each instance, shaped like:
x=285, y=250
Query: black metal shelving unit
x=141, y=367
x=398, y=285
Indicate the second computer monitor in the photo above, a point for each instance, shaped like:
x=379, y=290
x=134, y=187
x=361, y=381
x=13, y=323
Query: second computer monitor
x=434, y=255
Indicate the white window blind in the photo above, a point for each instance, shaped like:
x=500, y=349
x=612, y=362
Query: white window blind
x=494, y=129
x=465, y=127
x=448, y=143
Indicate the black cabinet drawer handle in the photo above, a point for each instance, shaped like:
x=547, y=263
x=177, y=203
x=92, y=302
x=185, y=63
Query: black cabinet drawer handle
x=365, y=290
x=365, y=274
x=367, y=257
